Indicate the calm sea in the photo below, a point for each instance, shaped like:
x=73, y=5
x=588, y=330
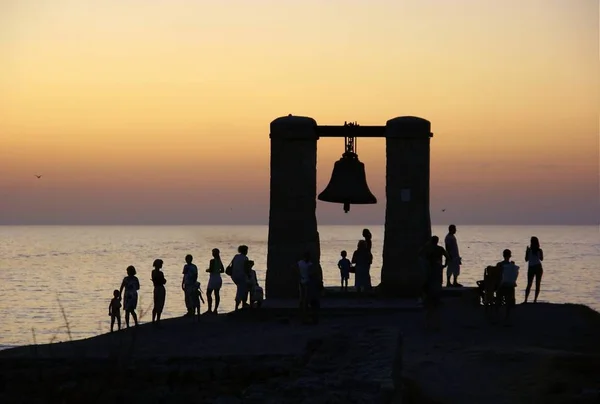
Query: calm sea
x=81, y=266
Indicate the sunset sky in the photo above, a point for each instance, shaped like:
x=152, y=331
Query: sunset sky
x=158, y=111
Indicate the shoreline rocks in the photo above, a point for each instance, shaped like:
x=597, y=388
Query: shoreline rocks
x=548, y=353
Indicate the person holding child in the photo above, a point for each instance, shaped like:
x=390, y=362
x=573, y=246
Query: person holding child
x=131, y=285
x=362, y=259
x=344, y=267
x=114, y=310
x=240, y=271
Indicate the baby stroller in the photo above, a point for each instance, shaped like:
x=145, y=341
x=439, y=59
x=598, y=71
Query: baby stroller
x=488, y=287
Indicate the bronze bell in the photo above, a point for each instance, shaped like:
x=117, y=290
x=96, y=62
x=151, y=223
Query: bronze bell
x=348, y=184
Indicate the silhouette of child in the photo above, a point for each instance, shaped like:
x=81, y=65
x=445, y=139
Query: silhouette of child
x=256, y=291
x=196, y=300
x=114, y=310
x=131, y=284
x=344, y=266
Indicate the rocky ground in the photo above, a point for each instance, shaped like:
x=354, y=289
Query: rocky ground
x=547, y=354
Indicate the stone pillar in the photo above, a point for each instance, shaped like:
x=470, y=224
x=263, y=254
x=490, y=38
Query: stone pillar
x=407, y=217
x=293, y=202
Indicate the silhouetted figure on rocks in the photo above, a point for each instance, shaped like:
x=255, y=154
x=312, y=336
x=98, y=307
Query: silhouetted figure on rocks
x=362, y=259
x=508, y=282
x=433, y=256
x=454, y=263
x=215, y=269
x=534, y=257
x=131, y=285
x=159, y=293
x=114, y=310
x=188, y=283
x=344, y=265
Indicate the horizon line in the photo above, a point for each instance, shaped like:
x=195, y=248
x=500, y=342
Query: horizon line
x=266, y=224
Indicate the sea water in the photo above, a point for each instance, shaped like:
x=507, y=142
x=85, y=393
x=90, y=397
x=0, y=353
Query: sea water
x=51, y=276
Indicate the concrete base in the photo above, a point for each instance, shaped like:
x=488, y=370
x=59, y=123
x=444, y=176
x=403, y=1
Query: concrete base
x=349, y=304
x=384, y=293
x=336, y=301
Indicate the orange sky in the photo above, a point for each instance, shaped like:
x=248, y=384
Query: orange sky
x=158, y=111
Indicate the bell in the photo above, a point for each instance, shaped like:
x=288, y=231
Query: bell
x=348, y=184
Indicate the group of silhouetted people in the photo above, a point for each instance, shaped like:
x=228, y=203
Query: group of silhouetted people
x=131, y=285
x=248, y=291
x=498, y=285
x=359, y=265
x=500, y=281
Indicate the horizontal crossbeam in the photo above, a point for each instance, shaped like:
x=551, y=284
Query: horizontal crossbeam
x=350, y=131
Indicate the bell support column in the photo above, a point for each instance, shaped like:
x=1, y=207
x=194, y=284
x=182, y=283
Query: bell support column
x=292, y=212
x=407, y=216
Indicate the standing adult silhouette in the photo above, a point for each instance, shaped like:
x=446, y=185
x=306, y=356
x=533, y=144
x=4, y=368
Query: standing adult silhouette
x=160, y=293
x=534, y=257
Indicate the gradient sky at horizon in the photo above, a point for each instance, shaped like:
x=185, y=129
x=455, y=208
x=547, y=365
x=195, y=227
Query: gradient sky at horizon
x=158, y=111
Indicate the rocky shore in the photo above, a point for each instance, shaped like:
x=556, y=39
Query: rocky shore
x=547, y=354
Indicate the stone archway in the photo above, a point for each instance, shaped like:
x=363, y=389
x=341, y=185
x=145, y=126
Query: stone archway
x=293, y=199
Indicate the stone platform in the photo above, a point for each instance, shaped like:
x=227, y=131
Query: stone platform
x=337, y=292
x=545, y=354
x=353, y=304
x=336, y=302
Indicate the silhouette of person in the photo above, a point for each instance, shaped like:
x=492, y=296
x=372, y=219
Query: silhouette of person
x=256, y=291
x=240, y=276
x=188, y=283
x=534, y=257
x=508, y=282
x=362, y=259
x=160, y=293
x=310, y=281
x=344, y=267
x=453, y=269
x=215, y=269
x=114, y=310
x=366, y=233
x=131, y=284
x=303, y=268
x=433, y=254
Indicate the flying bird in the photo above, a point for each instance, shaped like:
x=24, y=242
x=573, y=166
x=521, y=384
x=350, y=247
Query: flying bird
x=38, y=176
x=443, y=210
